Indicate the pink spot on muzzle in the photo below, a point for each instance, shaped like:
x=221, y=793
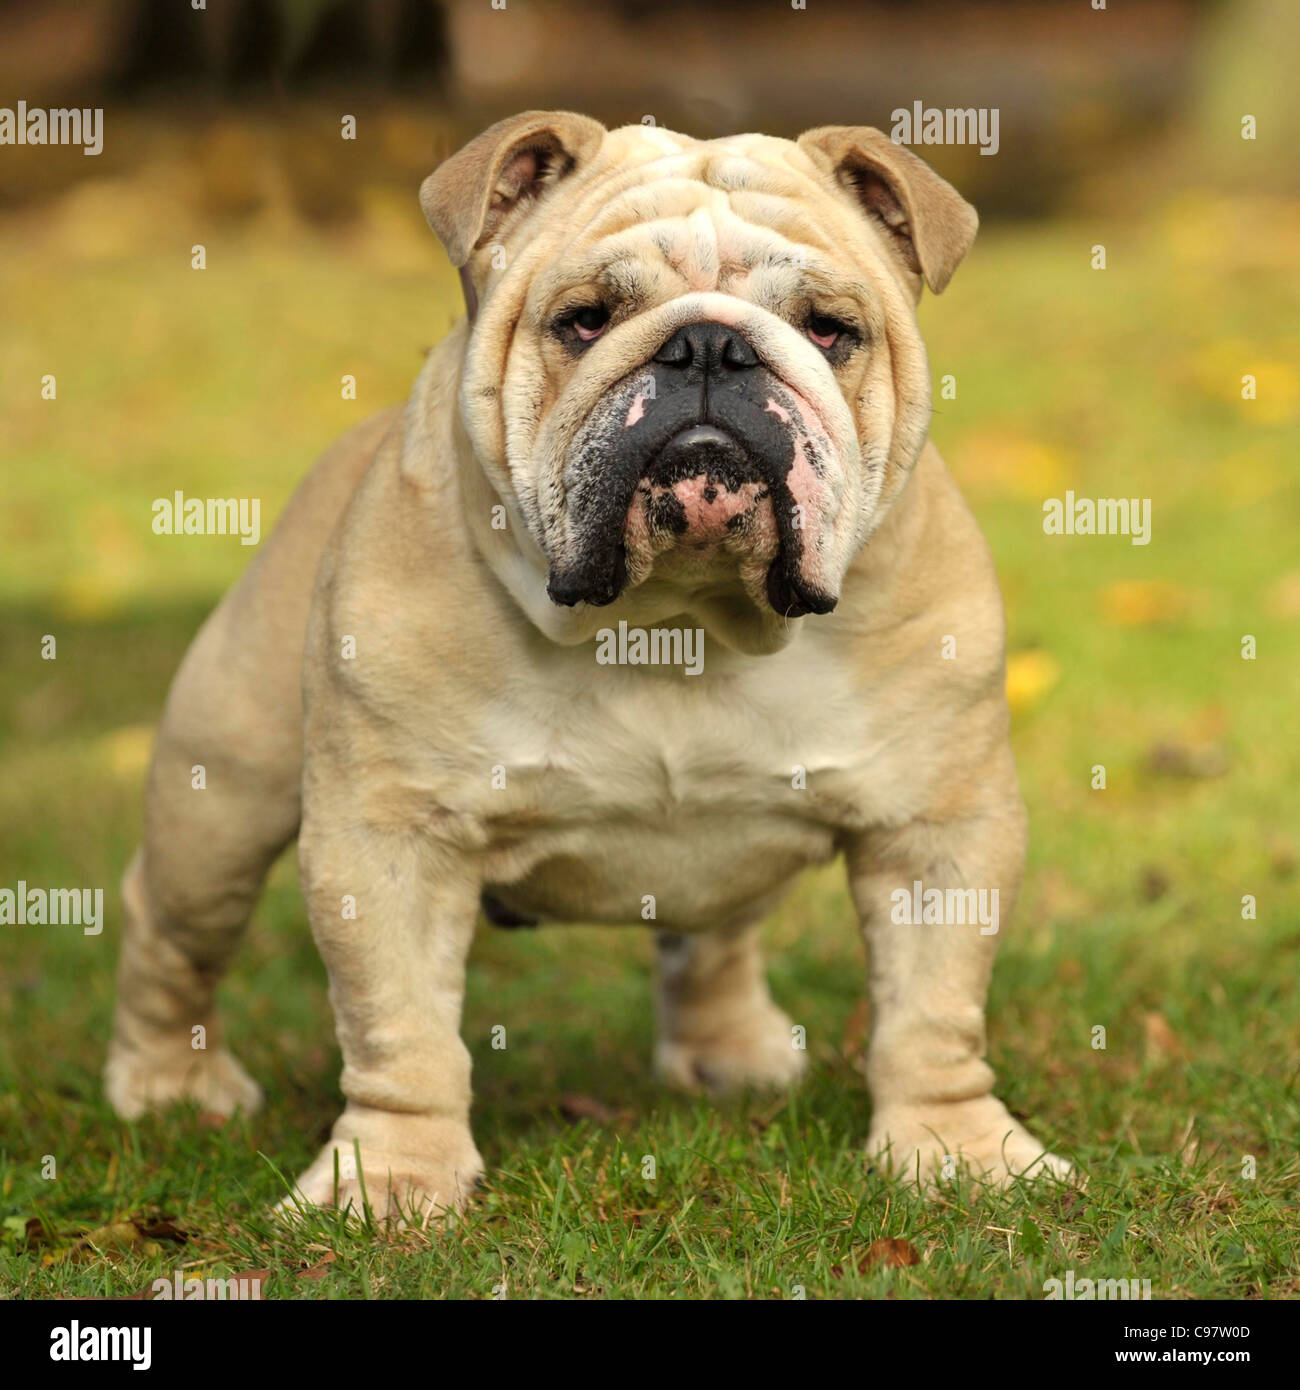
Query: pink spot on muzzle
x=808, y=495
x=807, y=489
x=708, y=507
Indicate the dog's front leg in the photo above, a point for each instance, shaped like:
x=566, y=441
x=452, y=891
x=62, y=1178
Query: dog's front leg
x=932, y=1090
x=393, y=912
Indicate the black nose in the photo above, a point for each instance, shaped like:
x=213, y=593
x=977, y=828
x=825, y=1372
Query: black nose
x=708, y=347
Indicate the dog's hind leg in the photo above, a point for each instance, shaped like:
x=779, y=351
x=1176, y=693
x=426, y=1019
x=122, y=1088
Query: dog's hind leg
x=717, y=1025
x=223, y=799
x=222, y=802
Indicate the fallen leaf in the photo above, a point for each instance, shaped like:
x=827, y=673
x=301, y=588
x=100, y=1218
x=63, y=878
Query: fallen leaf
x=1282, y=857
x=1009, y=463
x=1209, y=724
x=1283, y=597
x=139, y=1235
x=31, y=1233
x=1030, y=675
x=1160, y=1037
x=160, y=1228
x=1153, y=883
x=1188, y=760
x=891, y=1251
x=1142, y=602
x=126, y=750
x=1218, y=368
x=113, y=1239
x=1071, y=1202
x=318, y=1271
x=577, y=1107
x=759, y=1124
x=1070, y=971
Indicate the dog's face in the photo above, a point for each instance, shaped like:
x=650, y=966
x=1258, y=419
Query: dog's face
x=695, y=362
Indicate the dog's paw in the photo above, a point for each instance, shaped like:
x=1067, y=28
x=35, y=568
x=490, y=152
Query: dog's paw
x=760, y=1052
x=395, y=1185
x=979, y=1138
x=137, y=1081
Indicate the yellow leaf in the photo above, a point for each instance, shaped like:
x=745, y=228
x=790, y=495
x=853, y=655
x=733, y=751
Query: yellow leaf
x=1277, y=388
x=1142, y=602
x=1218, y=367
x=1030, y=675
x=126, y=750
x=106, y=1240
x=1009, y=463
x=90, y=597
x=1283, y=597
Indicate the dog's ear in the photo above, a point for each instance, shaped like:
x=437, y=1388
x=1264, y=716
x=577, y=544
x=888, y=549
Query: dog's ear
x=469, y=197
x=926, y=220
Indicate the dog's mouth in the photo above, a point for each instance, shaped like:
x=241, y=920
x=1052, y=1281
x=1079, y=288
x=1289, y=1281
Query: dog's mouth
x=706, y=503
x=743, y=497
x=700, y=492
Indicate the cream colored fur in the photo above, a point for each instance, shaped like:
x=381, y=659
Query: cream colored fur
x=621, y=782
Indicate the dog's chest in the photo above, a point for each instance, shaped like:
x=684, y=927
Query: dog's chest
x=644, y=795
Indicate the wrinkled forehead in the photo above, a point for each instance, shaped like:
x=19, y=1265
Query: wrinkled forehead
x=665, y=215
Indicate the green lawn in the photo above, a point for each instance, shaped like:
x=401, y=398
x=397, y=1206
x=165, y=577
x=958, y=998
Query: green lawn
x=1117, y=383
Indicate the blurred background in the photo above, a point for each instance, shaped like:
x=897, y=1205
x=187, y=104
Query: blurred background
x=223, y=128
x=1119, y=127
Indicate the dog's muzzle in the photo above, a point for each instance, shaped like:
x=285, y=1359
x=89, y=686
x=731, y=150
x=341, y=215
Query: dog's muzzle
x=705, y=453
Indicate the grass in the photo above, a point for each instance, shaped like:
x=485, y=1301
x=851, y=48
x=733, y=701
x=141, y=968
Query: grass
x=1122, y=383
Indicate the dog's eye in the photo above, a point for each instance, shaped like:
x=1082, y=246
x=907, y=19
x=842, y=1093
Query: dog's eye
x=590, y=323
x=825, y=331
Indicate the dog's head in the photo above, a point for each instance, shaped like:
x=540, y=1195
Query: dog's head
x=695, y=363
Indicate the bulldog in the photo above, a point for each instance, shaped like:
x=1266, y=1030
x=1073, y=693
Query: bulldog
x=689, y=394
